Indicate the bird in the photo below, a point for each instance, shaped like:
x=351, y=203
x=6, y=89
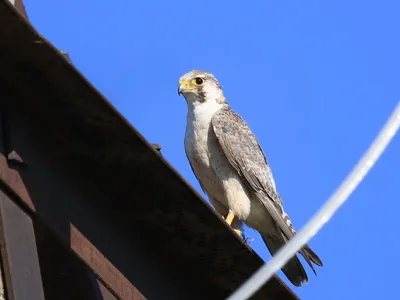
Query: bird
x=232, y=170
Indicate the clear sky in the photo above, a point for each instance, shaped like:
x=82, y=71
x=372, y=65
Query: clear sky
x=315, y=81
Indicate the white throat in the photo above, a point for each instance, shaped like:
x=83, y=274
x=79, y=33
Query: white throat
x=198, y=127
x=201, y=113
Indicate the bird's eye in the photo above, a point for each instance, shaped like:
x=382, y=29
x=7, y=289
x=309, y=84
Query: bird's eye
x=198, y=81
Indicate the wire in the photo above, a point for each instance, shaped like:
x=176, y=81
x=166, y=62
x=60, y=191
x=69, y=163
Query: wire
x=326, y=212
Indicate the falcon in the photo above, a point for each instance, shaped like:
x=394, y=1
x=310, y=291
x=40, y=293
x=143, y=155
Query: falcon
x=232, y=170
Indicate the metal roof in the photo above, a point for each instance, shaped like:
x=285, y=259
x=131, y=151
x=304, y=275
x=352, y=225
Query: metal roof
x=179, y=225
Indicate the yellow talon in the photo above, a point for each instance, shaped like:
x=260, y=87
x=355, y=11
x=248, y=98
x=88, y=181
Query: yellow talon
x=238, y=232
x=229, y=218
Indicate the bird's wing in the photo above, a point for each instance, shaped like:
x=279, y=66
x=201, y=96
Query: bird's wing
x=244, y=153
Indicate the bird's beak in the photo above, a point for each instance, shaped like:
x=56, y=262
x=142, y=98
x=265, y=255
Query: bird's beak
x=183, y=86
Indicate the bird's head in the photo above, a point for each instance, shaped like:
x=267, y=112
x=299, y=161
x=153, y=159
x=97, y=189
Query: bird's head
x=200, y=87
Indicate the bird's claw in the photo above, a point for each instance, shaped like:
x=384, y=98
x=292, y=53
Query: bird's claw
x=238, y=232
x=247, y=240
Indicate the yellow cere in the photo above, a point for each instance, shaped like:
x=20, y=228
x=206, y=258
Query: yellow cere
x=184, y=83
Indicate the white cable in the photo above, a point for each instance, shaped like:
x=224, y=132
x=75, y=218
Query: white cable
x=263, y=274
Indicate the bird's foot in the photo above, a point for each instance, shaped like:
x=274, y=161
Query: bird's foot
x=239, y=232
x=247, y=240
x=229, y=218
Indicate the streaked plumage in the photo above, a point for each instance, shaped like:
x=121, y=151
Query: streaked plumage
x=232, y=169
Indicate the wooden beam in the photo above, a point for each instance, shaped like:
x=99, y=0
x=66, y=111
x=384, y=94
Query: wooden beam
x=64, y=275
x=19, y=254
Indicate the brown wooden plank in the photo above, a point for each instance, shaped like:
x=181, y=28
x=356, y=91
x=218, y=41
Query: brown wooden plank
x=19, y=254
x=13, y=181
x=64, y=275
x=103, y=268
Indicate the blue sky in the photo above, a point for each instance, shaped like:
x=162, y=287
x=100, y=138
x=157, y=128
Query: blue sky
x=315, y=81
